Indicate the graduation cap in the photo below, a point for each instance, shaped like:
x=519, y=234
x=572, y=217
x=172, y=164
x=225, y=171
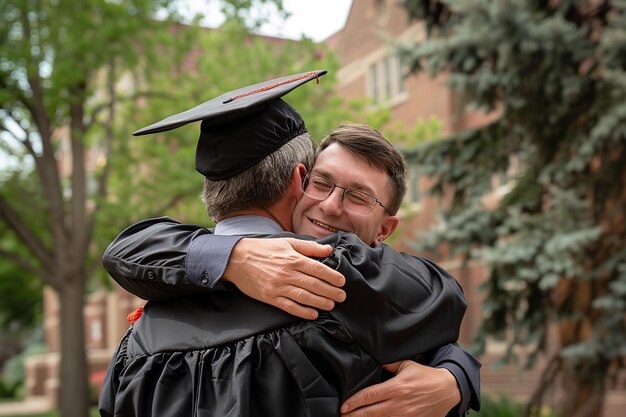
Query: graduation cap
x=241, y=127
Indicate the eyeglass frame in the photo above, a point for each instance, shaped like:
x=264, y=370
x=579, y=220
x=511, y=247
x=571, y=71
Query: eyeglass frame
x=345, y=190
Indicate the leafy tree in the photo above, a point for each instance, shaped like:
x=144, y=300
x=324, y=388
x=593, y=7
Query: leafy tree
x=554, y=74
x=55, y=58
x=76, y=79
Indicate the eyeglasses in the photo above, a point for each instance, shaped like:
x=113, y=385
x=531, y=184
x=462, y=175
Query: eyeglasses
x=356, y=202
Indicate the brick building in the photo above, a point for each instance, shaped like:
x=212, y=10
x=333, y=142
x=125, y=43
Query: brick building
x=369, y=68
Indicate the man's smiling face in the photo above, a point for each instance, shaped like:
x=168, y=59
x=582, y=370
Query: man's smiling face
x=321, y=218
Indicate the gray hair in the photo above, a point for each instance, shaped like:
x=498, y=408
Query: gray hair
x=262, y=185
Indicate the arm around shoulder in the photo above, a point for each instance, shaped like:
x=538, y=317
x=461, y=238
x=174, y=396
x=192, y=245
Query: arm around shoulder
x=151, y=259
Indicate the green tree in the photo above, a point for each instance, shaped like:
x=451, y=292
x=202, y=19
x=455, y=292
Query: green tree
x=76, y=79
x=55, y=58
x=554, y=74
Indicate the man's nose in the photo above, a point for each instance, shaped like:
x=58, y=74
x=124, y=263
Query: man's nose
x=333, y=204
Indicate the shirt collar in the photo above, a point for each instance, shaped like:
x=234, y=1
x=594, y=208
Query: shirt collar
x=247, y=224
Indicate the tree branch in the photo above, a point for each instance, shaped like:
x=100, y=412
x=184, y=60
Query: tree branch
x=27, y=266
x=117, y=99
x=46, y=164
x=78, y=222
x=26, y=141
x=3, y=129
x=17, y=93
x=107, y=145
x=171, y=203
x=552, y=370
x=14, y=221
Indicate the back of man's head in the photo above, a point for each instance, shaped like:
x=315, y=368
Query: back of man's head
x=369, y=144
x=260, y=186
x=250, y=143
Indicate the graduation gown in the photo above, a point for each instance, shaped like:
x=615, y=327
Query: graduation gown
x=224, y=354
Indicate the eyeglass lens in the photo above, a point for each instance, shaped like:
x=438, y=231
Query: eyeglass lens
x=320, y=188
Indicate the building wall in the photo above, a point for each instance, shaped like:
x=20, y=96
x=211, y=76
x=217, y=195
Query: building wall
x=105, y=324
x=363, y=43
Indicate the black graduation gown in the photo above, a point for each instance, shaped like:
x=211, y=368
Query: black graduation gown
x=224, y=354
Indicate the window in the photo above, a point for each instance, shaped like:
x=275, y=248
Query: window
x=381, y=11
x=373, y=79
x=386, y=79
x=400, y=73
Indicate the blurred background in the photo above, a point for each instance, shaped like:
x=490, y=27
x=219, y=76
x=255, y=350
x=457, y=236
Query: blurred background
x=510, y=114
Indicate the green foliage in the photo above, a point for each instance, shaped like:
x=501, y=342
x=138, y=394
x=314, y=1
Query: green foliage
x=12, y=372
x=22, y=298
x=499, y=406
x=423, y=130
x=93, y=412
x=76, y=79
x=8, y=389
x=554, y=161
x=493, y=405
x=20, y=290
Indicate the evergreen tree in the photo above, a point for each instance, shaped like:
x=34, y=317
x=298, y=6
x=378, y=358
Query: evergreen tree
x=553, y=74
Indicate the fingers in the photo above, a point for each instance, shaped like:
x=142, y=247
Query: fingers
x=296, y=309
x=415, y=390
x=322, y=272
x=311, y=297
x=394, y=367
x=276, y=272
x=368, y=397
x=310, y=248
x=380, y=409
x=306, y=285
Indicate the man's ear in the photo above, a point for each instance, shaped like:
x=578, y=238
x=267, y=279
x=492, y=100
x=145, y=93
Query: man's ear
x=387, y=228
x=301, y=171
x=297, y=176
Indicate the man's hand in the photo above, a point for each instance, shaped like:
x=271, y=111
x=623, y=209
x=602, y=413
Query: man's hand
x=279, y=272
x=416, y=390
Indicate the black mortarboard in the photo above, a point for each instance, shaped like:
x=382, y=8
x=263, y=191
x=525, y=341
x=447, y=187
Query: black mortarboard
x=241, y=127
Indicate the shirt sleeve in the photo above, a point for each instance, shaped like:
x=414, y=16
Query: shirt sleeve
x=160, y=258
x=208, y=257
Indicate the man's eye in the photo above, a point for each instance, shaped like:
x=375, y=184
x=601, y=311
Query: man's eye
x=322, y=185
x=358, y=198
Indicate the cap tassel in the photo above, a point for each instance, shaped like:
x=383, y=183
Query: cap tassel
x=132, y=317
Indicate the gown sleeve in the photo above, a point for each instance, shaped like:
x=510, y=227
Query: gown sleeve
x=397, y=304
x=161, y=258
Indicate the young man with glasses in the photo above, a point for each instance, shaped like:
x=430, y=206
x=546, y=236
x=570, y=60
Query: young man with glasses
x=362, y=188
x=368, y=169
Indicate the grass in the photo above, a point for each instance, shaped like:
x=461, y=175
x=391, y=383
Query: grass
x=93, y=412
